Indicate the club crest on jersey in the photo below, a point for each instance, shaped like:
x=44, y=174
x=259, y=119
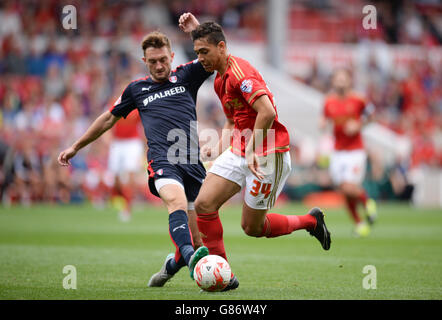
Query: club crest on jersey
x=247, y=86
x=173, y=79
x=160, y=172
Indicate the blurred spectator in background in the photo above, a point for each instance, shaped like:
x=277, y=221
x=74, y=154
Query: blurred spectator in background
x=126, y=154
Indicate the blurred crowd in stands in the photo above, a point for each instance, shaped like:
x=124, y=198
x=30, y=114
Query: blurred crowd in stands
x=54, y=82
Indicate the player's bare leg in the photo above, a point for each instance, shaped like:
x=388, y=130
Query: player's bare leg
x=253, y=221
x=173, y=197
x=214, y=192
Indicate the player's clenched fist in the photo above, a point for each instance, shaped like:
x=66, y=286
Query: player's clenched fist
x=187, y=22
x=66, y=155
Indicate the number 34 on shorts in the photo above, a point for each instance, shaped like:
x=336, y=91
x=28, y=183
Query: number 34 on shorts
x=264, y=188
x=262, y=194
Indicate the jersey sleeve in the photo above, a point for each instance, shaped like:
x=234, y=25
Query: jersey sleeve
x=195, y=73
x=251, y=88
x=124, y=104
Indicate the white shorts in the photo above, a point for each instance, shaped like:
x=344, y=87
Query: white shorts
x=125, y=155
x=259, y=194
x=348, y=166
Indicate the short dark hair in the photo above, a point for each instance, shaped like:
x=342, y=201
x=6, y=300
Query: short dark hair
x=155, y=39
x=212, y=31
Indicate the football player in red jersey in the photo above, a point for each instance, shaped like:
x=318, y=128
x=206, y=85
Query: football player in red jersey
x=126, y=153
x=257, y=158
x=348, y=112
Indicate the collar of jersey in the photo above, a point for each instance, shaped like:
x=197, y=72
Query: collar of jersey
x=228, y=66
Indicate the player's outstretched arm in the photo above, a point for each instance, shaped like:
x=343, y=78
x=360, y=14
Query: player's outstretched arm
x=103, y=123
x=187, y=22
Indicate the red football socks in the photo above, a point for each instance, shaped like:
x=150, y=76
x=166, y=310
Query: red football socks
x=124, y=192
x=211, y=229
x=276, y=225
x=351, y=205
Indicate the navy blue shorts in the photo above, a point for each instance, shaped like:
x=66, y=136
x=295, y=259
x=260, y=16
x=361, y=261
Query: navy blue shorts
x=191, y=177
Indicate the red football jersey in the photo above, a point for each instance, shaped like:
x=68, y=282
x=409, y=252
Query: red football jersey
x=340, y=110
x=128, y=128
x=238, y=89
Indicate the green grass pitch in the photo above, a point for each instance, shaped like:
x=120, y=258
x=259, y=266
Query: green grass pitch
x=114, y=260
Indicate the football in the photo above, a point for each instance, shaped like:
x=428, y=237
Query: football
x=212, y=273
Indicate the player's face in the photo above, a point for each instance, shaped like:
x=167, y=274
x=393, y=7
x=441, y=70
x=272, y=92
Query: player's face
x=341, y=81
x=209, y=55
x=159, y=62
